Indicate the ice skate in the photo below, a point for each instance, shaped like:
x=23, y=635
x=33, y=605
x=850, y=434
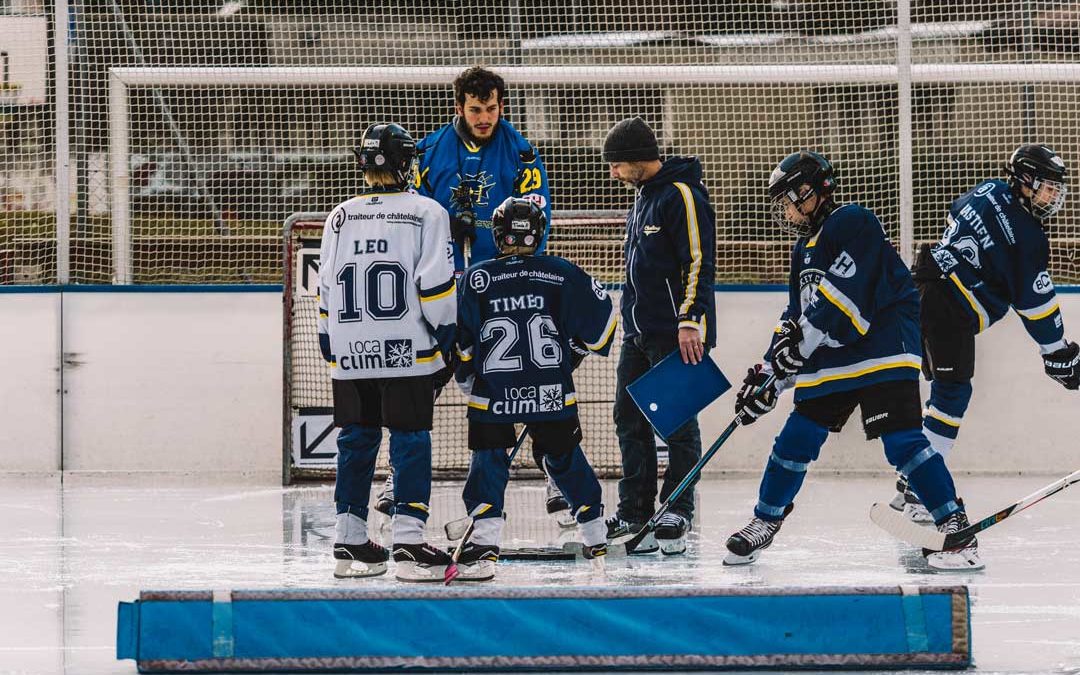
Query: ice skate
x=420, y=562
x=359, y=560
x=619, y=529
x=671, y=531
x=384, y=503
x=962, y=558
x=477, y=562
x=557, y=506
x=746, y=545
x=908, y=502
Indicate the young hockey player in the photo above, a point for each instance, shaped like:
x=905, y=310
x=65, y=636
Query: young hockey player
x=848, y=338
x=992, y=256
x=525, y=321
x=387, y=311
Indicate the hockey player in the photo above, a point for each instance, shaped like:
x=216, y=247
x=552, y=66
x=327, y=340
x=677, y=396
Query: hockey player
x=470, y=166
x=525, y=321
x=992, y=256
x=667, y=304
x=387, y=313
x=848, y=337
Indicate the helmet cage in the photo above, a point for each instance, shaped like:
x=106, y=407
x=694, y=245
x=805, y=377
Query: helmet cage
x=795, y=179
x=1037, y=167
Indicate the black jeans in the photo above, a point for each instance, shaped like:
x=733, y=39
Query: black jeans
x=637, y=443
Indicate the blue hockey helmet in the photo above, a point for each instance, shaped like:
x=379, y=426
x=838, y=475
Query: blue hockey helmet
x=518, y=225
x=795, y=179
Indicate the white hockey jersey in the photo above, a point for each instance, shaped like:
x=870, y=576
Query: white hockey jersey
x=387, y=297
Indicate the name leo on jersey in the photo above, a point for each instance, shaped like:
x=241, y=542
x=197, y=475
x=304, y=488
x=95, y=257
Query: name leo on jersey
x=516, y=302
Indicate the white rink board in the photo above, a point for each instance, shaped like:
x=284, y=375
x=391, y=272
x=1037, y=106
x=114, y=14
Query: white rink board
x=29, y=382
x=191, y=381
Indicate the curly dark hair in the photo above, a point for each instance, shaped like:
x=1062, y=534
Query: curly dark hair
x=479, y=82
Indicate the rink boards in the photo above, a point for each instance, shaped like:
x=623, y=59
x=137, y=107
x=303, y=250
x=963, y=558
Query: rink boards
x=538, y=628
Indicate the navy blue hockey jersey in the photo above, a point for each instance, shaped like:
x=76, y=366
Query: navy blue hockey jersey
x=466, y=177
x=995, y=253
x=517, y=316
x=857, y=305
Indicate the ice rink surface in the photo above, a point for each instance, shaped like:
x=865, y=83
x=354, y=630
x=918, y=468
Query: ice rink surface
x=69, y=553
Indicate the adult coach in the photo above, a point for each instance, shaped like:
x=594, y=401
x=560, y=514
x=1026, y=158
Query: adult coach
x=667, y=304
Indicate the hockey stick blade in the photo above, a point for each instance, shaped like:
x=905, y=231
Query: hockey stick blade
x=455, y=529
x=898, y=525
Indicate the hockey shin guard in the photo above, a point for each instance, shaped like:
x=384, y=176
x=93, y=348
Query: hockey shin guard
x=357, y=449
x=410, y=455
x=485, y=487
x=798, y=444
x=910, y=452
x=574, y=476
x=944, y=413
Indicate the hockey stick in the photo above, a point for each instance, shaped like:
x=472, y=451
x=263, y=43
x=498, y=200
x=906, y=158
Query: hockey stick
x=691, y=476
x=899, y=526
x=452, y=570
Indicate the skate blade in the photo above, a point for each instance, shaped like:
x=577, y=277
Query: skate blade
x=733, y=560
x=421, y=574
x=955, y=561
x=354, y=569
x=484, y=571
x=672, y=546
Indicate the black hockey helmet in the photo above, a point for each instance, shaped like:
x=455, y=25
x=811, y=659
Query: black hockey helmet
x=1034, y=165
x=519, y=224
x=804, y=167
x=387, y=147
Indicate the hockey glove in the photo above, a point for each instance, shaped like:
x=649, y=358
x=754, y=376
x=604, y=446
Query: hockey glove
x=1064, y=365
x=786, y=357
x=751, y=404
x=442, y=377
x=463, y=227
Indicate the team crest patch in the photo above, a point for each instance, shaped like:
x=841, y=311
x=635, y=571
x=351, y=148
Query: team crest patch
x=399, y=353
x=551, y=398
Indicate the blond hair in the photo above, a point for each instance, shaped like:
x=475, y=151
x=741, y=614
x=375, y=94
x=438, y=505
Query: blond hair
x=380, y=178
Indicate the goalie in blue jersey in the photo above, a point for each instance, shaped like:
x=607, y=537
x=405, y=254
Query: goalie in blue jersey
x=993, y=256
x=525, y=322
x=848, y=338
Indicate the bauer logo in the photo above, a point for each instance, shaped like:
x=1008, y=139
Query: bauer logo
x=844, y=266
x=1042, y=284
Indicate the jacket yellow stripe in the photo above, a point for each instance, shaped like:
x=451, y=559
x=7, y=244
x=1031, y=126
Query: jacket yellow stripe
x=859, y=373
x=693, y=233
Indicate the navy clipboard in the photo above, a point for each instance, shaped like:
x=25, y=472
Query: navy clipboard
x=672, y=391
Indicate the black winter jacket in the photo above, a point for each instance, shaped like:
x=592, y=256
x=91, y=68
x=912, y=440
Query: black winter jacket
x=671, y=255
